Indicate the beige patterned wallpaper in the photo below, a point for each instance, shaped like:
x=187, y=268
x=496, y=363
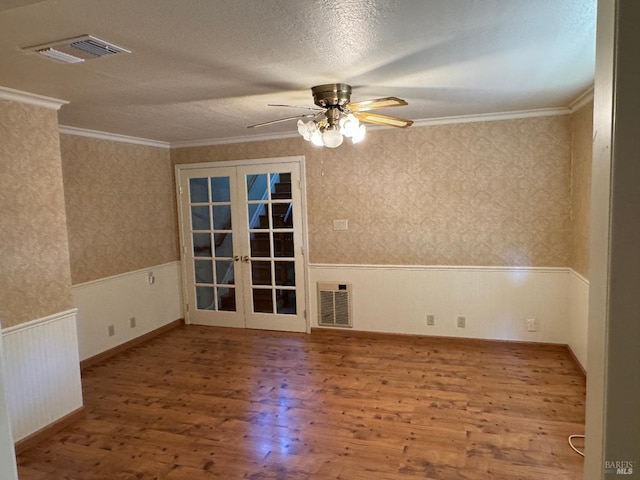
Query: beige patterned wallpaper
x=581, y=155
x=34, y=255
x=513, y=192
x=121, y=209
x=487, y=193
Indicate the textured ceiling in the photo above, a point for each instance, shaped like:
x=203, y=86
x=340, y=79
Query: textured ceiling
x=205, y=69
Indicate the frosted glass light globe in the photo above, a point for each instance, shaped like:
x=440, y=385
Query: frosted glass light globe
x=331, y=138
x=316, y=138
x=349, y=125
x=359, y=135
x=304, y=130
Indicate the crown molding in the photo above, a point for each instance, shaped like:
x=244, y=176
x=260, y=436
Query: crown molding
x=34, y=99
x=114, y=137
x=492, y=117
x=427, y=122
x=582, y=99
x=484, y=117
x=229, y=140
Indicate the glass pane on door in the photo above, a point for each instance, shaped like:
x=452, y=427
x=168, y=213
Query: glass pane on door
x=213, y=264
x=198, y=190
x=286, y=301
x=204, y=271
x=227, y=299
x=283, y=244
x=220, y=189
x=258, y=215
x=257, y=187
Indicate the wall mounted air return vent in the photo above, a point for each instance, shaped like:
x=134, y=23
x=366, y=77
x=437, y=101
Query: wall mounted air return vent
x=334, y=305
x=77, y=49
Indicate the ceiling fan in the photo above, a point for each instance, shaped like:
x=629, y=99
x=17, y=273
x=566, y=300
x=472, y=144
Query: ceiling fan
x=335, y=117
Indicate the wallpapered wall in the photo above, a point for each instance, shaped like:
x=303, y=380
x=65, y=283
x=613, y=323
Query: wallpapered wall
x=513, y=192
x=581, y=154
x=486, y=193
x=35, y=278
x=121, y=208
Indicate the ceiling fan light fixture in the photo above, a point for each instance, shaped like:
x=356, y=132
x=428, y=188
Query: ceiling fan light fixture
x=359, y=135
x=332, y=134
x=349, y=125
x=316, y=139
x=342, y=118
x=331, y=137
x=310, y=132
x=306, y=129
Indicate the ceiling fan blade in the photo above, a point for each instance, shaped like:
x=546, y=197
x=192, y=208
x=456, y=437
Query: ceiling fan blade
x=377, y=103
x=271, y=122
x=383, y=119
x=315, y=109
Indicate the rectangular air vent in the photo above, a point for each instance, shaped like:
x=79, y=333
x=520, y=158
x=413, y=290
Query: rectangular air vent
x=334, y=305
x=77, y=49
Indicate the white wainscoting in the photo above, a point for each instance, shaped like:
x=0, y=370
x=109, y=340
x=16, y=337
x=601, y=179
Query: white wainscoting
x=579, y=316
x=496, y=301
x=114, y=300
x=42, y=371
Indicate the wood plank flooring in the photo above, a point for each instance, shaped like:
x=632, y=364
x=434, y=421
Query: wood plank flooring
x=203, y=403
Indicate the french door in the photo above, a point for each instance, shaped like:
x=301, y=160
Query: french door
x=242, y=238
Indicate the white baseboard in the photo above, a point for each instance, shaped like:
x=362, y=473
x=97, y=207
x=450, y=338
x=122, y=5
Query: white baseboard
x=42, y=372
x=496, y=301
x=113, y=301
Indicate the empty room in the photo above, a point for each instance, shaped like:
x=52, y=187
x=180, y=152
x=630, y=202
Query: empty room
x=318, y=239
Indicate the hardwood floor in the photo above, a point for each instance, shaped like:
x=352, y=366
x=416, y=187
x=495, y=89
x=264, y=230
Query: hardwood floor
x=202, y=402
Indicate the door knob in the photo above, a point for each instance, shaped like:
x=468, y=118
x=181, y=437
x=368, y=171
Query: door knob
x=245, y=259
x=236, y=258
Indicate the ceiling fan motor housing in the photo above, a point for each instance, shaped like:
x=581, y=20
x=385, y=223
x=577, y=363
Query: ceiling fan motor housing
x=334, y=100
x=331, y=95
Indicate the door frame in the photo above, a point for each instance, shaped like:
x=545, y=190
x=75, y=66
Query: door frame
x=300, y=160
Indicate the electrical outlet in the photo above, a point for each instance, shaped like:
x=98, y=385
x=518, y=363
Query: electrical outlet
x=431, y=320
x=132, y=322
x=461, y=322
x=532, y=325
x=111, y=330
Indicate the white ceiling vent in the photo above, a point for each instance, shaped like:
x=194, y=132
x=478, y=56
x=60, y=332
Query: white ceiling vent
x=77, y=49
